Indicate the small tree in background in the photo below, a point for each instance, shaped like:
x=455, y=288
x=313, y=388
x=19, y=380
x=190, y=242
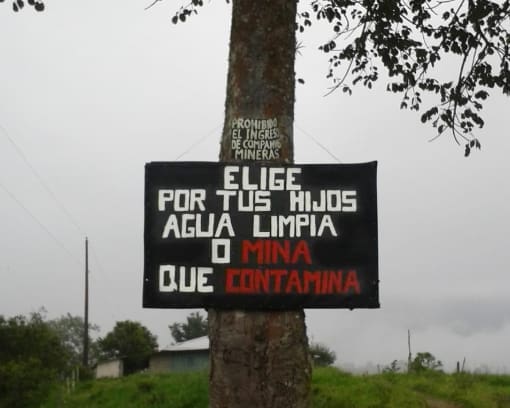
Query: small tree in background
x=195, y=326
x=132, y=342
x=70, y=330
x=321, y=355
x=425, y=362
x=394, y=367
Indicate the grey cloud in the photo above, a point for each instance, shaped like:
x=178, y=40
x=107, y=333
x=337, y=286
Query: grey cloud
x=462, y=315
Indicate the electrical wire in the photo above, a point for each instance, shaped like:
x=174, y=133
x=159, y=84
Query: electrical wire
x=43, y=227
x=317, y=142
x=197, y=142
x=41, y=181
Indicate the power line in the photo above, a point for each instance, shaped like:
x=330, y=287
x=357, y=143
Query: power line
x=197, y=143
x=105, y=275
x=317, y=142
x=41, y=181
x=201, y=140
x=43, y=227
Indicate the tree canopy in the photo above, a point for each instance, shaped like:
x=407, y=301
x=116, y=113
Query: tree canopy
x=32, y=358
x=410, y=40
x=18, y=5
x=425, y=361
x=322, y=356
x=70, y=330
x=132, y=342
x=195, y=326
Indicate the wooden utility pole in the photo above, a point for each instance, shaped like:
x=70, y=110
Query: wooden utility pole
x=260, y=359
x=86, y=317
x=409, y=356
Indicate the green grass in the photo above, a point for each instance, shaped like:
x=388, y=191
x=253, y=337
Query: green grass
x=186, y=390
x=331, y=388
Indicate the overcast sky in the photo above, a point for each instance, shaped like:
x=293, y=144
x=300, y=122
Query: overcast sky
x=92, y=90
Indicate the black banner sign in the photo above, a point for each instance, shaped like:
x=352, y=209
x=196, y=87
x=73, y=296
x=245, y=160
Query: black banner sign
x=254, y=236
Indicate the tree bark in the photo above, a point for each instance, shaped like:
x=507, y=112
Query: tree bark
x=259, y=358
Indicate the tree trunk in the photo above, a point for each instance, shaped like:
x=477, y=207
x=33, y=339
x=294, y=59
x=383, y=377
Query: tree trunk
x=259, y=359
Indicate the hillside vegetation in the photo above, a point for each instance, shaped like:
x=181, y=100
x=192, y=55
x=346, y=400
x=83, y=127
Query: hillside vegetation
x=331, y=388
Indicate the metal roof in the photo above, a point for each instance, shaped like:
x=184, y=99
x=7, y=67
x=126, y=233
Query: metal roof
x=200, y=343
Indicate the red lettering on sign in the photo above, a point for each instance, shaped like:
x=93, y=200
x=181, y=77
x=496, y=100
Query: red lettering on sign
x=262, y=278
x=280, y=251
x=247, y=247
x=301, y=251
x=229, y=280
x=335, y=282
x=352, y=282
x=259, y=281
x=325, y=280
x=246, y=281
x=293, y=283
x=310, y=278
x=277, y=274
x=267, y=251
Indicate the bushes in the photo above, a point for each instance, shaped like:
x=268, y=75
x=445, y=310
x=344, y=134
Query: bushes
x=321, y=355
x=25, y=383
x=425, y=362
x=31, y=360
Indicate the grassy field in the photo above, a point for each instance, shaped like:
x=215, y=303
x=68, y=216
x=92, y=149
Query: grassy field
x=331, y=388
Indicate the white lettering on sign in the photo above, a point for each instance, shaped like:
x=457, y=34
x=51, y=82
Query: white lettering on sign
x=255, y=139
x=324, y=201
x=220, y=251
x=181, y=200
x=247, y=201
x=265, y=178
x=293, y=226
x=276, y=205
x=194, y=226
x=174, y=278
